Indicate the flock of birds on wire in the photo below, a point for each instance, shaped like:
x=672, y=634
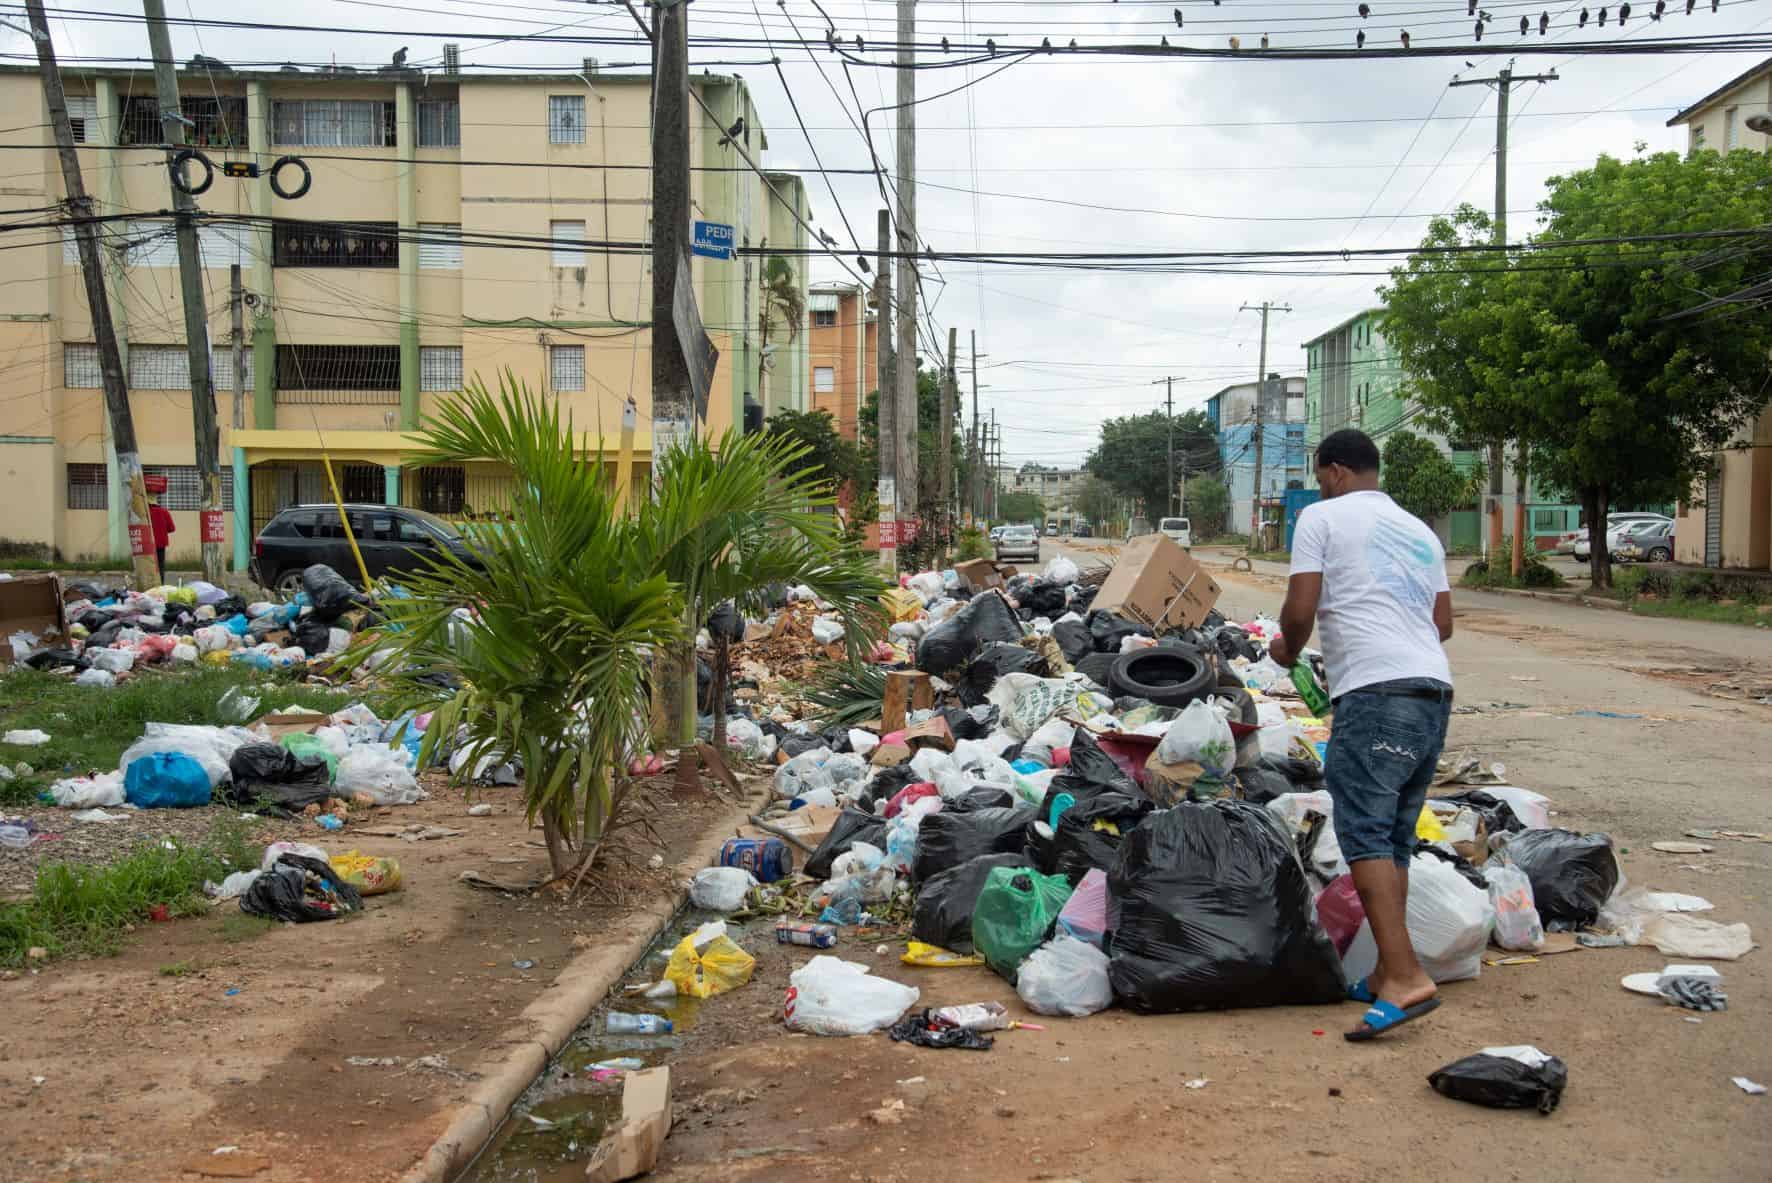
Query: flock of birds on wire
x=1365, y=10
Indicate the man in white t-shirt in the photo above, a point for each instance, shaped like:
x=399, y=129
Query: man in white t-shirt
x=1374, y=576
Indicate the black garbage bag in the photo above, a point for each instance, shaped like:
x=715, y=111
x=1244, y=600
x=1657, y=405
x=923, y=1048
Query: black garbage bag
x=1259, y=785
x=1018, y=586
x=93, y=619
x=1090, y=772
x=230, y=606
x=1108, y=630
x=1073, y=640
x=56, y=659
x=300, y=889
x=1209, y=908
x=92, y=589
x=951, y=837
x=1090, y=833
x=925, y=1030
x=885, y=785
x=983, y=797
x=992, y=662
x=972, y=722
x=312, y=636
x=1305, y=776
x=704, y=687
x=1084, y=597
x=1498, y=816
x=1502, y=1082
x=796, y=744
x=328, y=592
x=951, y=644
x=102, y=636
x=1214, y=618
x=269, y=778
x=836, y=738
x=943, y=914
x=1044, y=598
x=725, y=621
x=1097, y=667
x=852, y=826
x=1231, y=642
x=1572, y=874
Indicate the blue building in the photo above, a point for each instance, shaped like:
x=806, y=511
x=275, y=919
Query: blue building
x=1283, y=455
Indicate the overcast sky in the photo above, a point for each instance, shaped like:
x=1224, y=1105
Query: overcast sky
x=1155, y=154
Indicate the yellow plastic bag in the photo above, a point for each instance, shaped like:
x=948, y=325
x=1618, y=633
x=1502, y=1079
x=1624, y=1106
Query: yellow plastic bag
x=713, y=966
x=903, y=603
x=936, y=957
x=1428, y=827
x=368, y=873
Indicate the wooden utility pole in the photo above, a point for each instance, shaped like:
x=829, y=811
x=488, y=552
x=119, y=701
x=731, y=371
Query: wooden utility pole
x=975, y=498
x=673, y=402
x=237, y=315
x=190, y=281
x=886, y=398
x=1503, y=82
x=1169, y=494
x=110, y=359
x=1260, y=431
x=906, y=424
x=944, y=438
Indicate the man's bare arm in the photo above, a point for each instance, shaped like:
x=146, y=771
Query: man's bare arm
x=1298, y=616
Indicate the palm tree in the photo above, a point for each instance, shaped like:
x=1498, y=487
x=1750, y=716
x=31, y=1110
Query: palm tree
x=781, y=290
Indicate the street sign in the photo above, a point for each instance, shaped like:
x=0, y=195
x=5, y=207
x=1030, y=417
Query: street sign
x=712, y=240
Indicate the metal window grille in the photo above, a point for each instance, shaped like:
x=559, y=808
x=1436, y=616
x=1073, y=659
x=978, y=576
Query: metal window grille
x=566, y=119
x=159, y=367
x=80, y=367
x=439, y=246
x=363, y=483
x=222, y=245
x=336, y=244
x=88, y=487
x=338, y=367
x=824, y=318
x=1731, y=129
x=442, y=488
x=824, y=379
x=332, y=123
x=439, y=367
x=218, y=122
x=184, y=485
x=439, y=125
x=221, y=367
x=566, y=367
x=568, y=238
x=152, y=242
x=83, y=114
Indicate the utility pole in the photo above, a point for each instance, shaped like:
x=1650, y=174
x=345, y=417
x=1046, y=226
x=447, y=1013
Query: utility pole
x=1503, y=82
x=1260, y=397
x=190, y=276
x=886, y=399
x=977, y=456
x=673, y=403
x=237, y=314
x=1169, y=420
x=110, y=359
x=906, y=160
x=944, y=438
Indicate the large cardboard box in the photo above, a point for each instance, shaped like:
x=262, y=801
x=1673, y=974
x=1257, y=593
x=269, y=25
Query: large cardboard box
x=632, y=1148
x=981, y=574
x=31, y=604
x=1157, y=583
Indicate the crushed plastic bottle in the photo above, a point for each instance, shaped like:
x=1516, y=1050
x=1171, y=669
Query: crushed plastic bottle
x=1309, y=689
x=619, y=1023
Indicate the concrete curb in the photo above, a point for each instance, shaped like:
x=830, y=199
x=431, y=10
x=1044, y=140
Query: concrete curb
x=1581, y=598
x=547, y=1023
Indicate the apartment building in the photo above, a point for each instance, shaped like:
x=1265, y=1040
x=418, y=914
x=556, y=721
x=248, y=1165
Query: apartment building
x=1283, y=464
x=844, y=343
x=1056, y=488
x=452, y=231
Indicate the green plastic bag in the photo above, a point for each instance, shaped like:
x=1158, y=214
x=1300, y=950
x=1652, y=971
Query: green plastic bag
x=301, y=746
x=1014, y=915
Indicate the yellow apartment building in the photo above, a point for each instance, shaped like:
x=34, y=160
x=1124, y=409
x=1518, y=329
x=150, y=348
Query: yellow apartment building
x=451, y=230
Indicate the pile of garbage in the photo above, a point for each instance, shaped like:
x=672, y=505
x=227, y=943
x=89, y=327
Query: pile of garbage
x=301, y=883
x=108, y=633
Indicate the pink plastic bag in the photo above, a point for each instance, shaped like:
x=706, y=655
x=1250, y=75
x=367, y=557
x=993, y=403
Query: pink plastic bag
x=909, y=794
x=1340, y=910
x=1085, y=913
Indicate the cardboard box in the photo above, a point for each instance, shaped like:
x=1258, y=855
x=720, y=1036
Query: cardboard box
x=981, y=574
x=31, y=604
x=1158, y=584
x=1168, y=784
x=279, y=725
x=890, y=755
x=632, y=1148
x=811, y=824
x=933, y=732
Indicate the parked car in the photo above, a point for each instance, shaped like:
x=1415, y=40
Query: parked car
x=1649, y=542
x=1018, y=542
x=1082, y=530
x=1052, y=529
x=997, y=532
x=1616, y=525
x=393, y=539
x=1178, y=531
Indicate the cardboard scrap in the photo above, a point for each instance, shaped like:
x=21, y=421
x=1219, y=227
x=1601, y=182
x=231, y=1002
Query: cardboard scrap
x=980, y=574
x=1168, y=784
x=31, y=604
x=931, y=733
x=1156, y=582
x=632, y=1148
x=890, y=755
x=279, y=724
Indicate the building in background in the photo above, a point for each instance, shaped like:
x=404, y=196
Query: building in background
x=843, y=340
x=1232, y=411
x=1728, y=521
x=402, y=273
x=1055, y=487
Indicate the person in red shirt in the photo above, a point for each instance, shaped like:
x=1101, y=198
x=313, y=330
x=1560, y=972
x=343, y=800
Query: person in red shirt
x=160, y=518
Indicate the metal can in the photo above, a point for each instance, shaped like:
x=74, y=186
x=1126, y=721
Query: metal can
x=813, y=936
x=769, y=859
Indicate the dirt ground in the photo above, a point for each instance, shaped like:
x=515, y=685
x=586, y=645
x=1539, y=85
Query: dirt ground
x=209, y=1032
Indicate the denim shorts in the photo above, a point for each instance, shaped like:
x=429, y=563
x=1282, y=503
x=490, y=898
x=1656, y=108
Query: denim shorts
x=1383, y=749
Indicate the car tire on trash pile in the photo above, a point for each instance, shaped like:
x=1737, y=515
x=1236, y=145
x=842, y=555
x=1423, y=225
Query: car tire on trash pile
x=1167, y=675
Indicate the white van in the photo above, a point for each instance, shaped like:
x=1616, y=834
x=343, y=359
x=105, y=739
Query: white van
x=1178, y=531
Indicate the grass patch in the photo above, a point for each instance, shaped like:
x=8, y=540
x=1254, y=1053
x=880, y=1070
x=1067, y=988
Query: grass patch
x=238, y=927
x=180, y=969
x=81, y=909
x=1694, y=595
x=120, y=568
x=90, y=726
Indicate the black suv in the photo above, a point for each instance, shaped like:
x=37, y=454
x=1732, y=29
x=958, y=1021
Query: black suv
x=393, y=538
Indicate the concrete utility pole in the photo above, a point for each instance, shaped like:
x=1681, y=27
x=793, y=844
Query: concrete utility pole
x=974, y=496
x=1503, y=82
x=237, y=314
x=190, y=277
x=886, y=399
x=1260, y=391
x=944, y=438
x=906, y=161
x=673, y=402
x=110, y=358
x=1169, y=420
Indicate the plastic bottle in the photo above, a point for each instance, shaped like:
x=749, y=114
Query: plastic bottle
x=813, y=936
x=1305, y=682
x=626, y=1024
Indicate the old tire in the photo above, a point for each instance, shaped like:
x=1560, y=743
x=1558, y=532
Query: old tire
x=1168, y=675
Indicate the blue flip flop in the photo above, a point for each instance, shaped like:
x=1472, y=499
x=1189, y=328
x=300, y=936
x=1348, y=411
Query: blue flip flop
x=1384, y=1016
x=1361, y=991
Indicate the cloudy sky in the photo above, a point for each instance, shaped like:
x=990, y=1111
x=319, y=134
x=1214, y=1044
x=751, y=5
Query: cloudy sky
x=1087, y=152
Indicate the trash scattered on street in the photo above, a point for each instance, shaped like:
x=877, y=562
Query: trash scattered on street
x=1505, y=1078
x=1749, y=1087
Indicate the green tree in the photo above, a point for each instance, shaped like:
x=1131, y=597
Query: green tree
x=1133, y=456
x=1587, y=349
x=832, y=460
x=1208, y=504
x=1421, y=479
x=1020, y=506
x=1095, y=499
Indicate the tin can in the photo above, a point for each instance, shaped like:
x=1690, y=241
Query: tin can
x=769, y=859
x=813, y=936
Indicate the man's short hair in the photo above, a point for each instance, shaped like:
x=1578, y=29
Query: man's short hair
x=1349, y=447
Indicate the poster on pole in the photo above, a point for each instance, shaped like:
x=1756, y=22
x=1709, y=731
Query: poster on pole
x=699, y=354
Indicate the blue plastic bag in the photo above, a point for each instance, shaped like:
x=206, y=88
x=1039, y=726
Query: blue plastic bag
x=166, y=780
x=237, y=624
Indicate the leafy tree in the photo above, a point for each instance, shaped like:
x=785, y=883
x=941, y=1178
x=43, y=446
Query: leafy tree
x=1208, y=504
x=1587, y=349
x=1133, y=455
x=1421, y=479
x=1020, y=506
x=831, y=459
x=1095, y=499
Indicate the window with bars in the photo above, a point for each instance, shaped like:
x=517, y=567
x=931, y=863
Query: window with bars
x=439, y=124
x=221, y=367
x=824, y=318
x=159, y=367
x=218, y=122
x=338, y=367
x=83, y=116
x=336, y=244
x=439, y=246
x=441, y=488
x=88, y=487
x=1731, y=129
x=566, y=119
x=439, y=367
x=824, y=379
x=568, y=239
x=80, y=366
x=184, y=485
x=332, y=123
x=566, y=367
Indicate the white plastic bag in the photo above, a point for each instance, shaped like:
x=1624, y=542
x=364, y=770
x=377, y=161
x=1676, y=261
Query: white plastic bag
x=379, y=772
x=103, y=679
x=928, y=584
x=1054, y=733
x=830, y=996
x=721, y=889
x=184, y=653
x=1200, y=734
x=1065, y=976
x=277, y=849
x=1449, y=919
x=232, y=887
x=207, y=754
x=1326, y=862
x=116, y=661
x=213, y=638
x=88, y=792
x=335, y=739
x=845, y=769
x=859, y=859
x=1517, y=924
x=826, y=631
x=1060, y=570
x=804, y=773
x=1026, y=701
x=862, y=742
x=1533, y=809
x=744, y=737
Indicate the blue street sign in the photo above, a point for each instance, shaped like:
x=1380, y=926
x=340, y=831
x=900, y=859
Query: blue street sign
x=712, y=240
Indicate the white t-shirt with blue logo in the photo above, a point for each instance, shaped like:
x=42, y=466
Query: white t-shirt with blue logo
x=1382, y=568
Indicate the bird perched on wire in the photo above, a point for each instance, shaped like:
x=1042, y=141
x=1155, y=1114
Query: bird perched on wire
x=1365, y=10
x=1602, y=18
x=1360, y=39
x=1581, y=22
x=1165, y=43
x=830, y=39
x=1623, y=13
x=1543, y=23
x=1660, y=7
x=858, y=45
x=1178, y=18
x=733, y=132
x=1073, y=43
x=1236, y=44
x=1525, y=26
x=1046, y=44
x=1479, y=30
x=1405, y=38
x=944, y=45
x=1690, y=5
x=990, y=46
x=1472, y=9
x=400, y=56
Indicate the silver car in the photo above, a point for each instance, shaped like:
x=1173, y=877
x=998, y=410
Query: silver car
x=1647, y=542
x=1617, y=525
x=1018, y=542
